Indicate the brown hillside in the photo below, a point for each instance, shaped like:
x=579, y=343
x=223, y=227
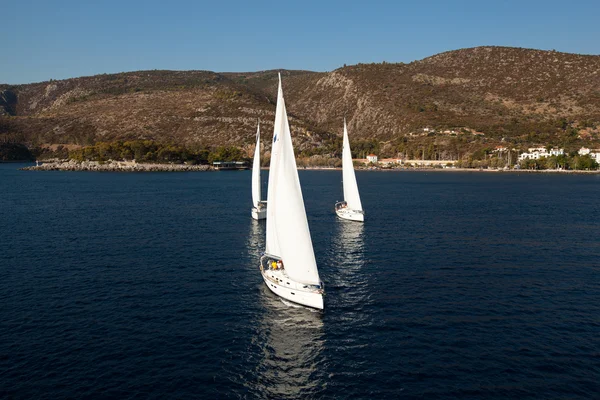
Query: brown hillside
x=519, y=95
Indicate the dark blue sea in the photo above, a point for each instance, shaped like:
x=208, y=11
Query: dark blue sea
x=146, y=286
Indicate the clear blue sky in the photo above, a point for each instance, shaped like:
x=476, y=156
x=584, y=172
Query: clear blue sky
x=62, y=39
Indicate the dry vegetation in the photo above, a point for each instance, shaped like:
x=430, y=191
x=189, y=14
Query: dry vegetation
x=515, y=97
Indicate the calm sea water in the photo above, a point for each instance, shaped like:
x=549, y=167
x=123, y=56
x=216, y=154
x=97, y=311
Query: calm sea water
x=459, y=285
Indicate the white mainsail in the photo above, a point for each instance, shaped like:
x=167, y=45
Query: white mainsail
x=351, y=195
x=288, y=235
x=272, y=243
x=256, y=171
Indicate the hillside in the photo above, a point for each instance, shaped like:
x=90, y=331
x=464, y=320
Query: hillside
x=478, y=96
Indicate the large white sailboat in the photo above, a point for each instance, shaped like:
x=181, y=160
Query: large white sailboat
x=288, y=265
x=351, y=207
x=259, y=208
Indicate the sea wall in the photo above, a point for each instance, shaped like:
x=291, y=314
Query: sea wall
x=115, y=166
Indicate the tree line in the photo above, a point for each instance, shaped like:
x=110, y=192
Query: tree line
x=155, y=152
x=570, y=162
x=463, y=151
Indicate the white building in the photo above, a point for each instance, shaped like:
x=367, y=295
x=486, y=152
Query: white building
x=594, y=154
x=535, y=153
x=537, y=149
x=372, y=158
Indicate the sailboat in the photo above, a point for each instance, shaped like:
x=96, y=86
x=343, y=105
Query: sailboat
x=259, y=209
x=288, y=265
x=351, y=207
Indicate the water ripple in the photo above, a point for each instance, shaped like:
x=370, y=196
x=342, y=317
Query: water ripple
x=147, y=286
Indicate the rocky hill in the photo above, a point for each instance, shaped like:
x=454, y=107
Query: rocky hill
x=481, y=96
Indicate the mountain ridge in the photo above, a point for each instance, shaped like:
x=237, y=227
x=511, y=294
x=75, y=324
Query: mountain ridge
x=488, y=94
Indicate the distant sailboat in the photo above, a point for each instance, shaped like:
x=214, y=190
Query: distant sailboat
x=288, y=266
x=351, y=207
x=259, y=209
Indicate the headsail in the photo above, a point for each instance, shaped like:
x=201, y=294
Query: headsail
x=289, y=236
x=256, y=171
x=272, y=242
x=351, y=195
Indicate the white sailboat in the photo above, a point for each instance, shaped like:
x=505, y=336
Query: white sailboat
x=259, y=209
x=351, y=207
x=288, y=265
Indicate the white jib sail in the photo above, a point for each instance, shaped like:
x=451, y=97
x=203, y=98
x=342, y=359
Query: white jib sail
x=351, y=195
x=272, y=243
x=256, y=171
x=289, y=216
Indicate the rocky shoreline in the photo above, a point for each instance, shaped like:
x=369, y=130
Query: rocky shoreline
x=115, y=166
x=132, y=166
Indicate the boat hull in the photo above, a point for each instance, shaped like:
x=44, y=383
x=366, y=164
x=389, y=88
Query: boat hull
x=350, y=214
x=284, y=287
x=259, y=213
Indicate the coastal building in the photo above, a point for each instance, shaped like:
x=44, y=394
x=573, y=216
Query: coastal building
x=594, y=154
x=537, y=149
x=584, y=151
x=390, y=162
x=430, y=163
x=372, y=158
x=535, y=153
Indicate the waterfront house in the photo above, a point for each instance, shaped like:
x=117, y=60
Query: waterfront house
x=372, y=158
x=535, y=153
x=594, y=154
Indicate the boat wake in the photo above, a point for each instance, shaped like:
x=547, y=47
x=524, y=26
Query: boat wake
x=290, y=304
x=296, y=305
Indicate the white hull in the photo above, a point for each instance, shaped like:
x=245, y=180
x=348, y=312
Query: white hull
x=259, y=213
x=280, y=284
x=349, y=214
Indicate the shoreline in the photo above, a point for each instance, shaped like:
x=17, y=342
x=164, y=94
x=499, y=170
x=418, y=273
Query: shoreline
x=488, y=170
x=131, y=166
x=115, y=166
